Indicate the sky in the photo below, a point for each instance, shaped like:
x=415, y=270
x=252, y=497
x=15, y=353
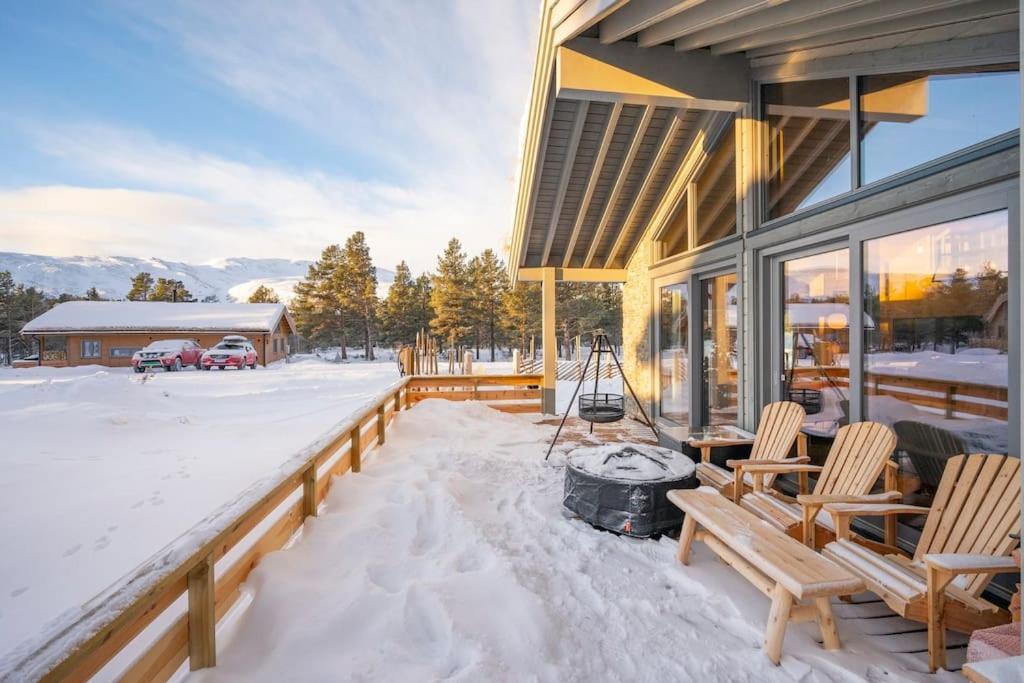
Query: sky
x=200, y=130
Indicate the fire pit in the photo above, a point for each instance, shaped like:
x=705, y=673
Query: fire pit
x=602, y=407
x=622, y=487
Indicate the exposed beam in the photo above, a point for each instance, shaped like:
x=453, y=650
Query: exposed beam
x=547, y=335
x=542, y=150
x=621, y=72
x=976, y=50
x=613, y=195
x=780, y=15
x=699, y=18
x=585, y=16
x=563, y=9
x=595, y=174
x=839, y=21
x=563, y=183
x=665, y=142
x=574, y=274
x=960, y=14
x=640, y=14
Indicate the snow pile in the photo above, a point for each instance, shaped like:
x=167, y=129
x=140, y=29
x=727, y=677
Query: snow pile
x=114, y=468
x=631, y=462
x=449, y=557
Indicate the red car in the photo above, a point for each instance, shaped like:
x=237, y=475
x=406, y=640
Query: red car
x=170, y=354
x=232, y=351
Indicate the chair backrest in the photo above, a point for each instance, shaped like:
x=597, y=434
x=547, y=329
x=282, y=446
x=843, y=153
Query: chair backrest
x=777, y=430
x=928, y=448
x=856, y=459
x=976, y=508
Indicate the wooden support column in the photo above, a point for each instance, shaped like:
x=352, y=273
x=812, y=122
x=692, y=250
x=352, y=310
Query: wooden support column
x=548, y=338
x=202, y=619
x=356, y=449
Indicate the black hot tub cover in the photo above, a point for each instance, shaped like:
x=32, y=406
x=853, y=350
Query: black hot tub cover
x=623, y=487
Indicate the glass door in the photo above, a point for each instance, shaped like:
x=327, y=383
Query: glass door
x=673, y=354
x=815, y=339
x=719, y=361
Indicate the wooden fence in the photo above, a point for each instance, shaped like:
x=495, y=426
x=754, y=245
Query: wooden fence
x=949, y=396
x=201, y=567
x=570, y=369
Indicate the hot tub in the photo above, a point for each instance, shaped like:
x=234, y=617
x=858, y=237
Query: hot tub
x=621, y=487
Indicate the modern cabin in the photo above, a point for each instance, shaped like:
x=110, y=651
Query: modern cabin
x=109, y=332
x=807, y=201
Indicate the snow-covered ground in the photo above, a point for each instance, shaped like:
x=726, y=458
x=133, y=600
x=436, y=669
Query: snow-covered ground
x=449, y=556
x=102, y=467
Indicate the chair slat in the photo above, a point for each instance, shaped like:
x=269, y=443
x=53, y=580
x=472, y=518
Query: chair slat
x=975, y=500
x=939, y=502
x=954, y=508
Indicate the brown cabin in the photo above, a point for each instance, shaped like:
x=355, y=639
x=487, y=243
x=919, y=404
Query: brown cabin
x=109, y=332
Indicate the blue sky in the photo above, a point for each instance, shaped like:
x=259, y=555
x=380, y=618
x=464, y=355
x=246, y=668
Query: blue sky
x=197, y=130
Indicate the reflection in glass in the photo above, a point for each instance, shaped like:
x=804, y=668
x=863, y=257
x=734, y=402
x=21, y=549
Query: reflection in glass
x=673, y=360
x=719, y=386
x=676, y=239
x=935, y=359
x=716, y=191
x=816, y=339
x=808, y=143
x=908, y=119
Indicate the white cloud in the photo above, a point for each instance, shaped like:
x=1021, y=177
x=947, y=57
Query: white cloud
x=425, y=96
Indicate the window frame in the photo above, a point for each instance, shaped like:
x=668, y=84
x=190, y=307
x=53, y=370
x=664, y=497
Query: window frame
x=81, y=348
x=859, y=190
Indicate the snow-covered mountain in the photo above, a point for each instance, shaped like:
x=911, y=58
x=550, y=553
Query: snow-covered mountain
x=230, y=279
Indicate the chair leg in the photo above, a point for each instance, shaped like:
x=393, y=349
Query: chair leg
x=827, y=624
x=686, y=539
x=937, y=582
x=778, y=619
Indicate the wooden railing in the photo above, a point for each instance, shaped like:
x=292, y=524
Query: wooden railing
x=207, y=565
x=570, y=369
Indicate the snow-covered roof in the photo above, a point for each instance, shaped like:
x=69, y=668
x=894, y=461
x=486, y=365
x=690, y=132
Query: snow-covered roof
x=157, y=316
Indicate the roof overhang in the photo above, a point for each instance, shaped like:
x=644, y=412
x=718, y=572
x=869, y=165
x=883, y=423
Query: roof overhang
x=627, y=92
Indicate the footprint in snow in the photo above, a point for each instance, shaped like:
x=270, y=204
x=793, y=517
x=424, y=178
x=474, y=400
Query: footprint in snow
x=113, y=528
x=101, y=543
x=138, y=505
x=18, y=591
x=72, y=550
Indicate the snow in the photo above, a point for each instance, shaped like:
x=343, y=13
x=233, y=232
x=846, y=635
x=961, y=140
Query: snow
x=230, y=279
x=632, y=462
x=107, y=316
x=114, y=466
x=450, y=556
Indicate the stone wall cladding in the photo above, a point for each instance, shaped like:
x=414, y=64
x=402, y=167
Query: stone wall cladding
x=636, y=328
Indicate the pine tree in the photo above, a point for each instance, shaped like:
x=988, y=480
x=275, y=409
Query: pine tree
x=450, y=298
x=488, y=287
x=522, y=312
x=264, y=295
x=7, y=291
x=320, y=314
x=211, y=299
x=169, y=289
x=142, y=285
x=93, y=294
x=356, y=284
x=396, y=325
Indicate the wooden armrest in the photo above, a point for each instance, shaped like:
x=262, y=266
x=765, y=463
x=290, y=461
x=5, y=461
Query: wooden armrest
x=779, y=468
x=964, y=563
x=842, y=513
x=745, y=463
x=823, y=499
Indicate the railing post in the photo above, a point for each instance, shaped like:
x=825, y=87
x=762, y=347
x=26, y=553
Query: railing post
x=356, y=449
x=309, y=491
x=950, y=401
x=202, y=619
x=381, y=424
x=398, y=401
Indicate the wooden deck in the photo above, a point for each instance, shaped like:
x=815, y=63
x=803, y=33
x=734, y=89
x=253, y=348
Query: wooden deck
x=577, y=433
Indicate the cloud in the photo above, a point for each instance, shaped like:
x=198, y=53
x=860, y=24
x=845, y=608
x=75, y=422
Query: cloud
x=424, y=98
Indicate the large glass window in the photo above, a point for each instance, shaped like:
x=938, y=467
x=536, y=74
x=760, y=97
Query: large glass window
x=936, y=340
x=910, y=118
x=816, y=339
x=90, y=348
x=719, y=367
x=673, y=354
x=808, y=143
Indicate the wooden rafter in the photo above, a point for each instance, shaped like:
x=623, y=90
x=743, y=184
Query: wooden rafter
x=613, y=196
x=699, y=18
x=595, y=174
x=563, y=183
x=641, y=14
x=664, y=144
